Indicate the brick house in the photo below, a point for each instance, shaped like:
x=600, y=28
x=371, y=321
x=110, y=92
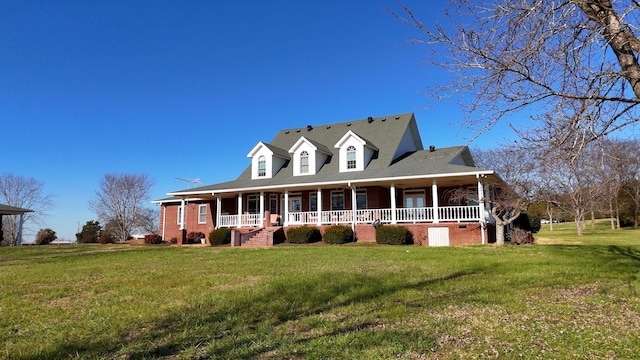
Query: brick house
x=357, y=173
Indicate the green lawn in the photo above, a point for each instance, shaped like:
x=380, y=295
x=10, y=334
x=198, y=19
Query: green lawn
x=576, y=298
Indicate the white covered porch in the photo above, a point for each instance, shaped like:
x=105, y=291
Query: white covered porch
x=404, y=206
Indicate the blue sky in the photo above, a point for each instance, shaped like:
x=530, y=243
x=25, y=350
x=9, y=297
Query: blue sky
x=187, y=88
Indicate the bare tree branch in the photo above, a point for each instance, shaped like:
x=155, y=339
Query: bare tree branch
x=506, y=56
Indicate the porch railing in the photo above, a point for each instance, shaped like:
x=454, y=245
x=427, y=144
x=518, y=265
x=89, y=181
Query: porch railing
x=245, y=220
x=402, y=215
x=459, y=213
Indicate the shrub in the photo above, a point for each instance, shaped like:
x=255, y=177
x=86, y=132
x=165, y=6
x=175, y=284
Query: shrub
x=153, y=239
x=338, y=234
x=90, y=232
x=106, y=238
x=393, y=235
x=518, y=236
x=194, y=237
x=303, y=235
x=173, y=240
x=220, y=236
x=87, y=239
x=528, y=222
x=45, y=236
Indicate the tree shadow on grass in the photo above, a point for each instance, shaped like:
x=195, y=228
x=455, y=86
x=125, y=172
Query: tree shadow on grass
x=628, y=252
x=254, y=322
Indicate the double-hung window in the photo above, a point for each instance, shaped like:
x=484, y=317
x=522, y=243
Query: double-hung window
x=337, y=200
x=202, y=214
x=313, y=202
x=361, y=199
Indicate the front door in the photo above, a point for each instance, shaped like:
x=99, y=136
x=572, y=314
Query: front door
x=295, y=207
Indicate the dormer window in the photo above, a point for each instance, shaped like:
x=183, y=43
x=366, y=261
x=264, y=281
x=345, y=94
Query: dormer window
x=262, y=166
x=304, y=162
x=308, y=156
x=355, y=152
x=351, y=157
x=267, y=160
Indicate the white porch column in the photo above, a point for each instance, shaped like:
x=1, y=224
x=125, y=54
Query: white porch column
x=218, y=211
x=392, y=190
x=434, y=195
x=164, y=218
x=20, y=223
x=261, y=208
x=354, y=205
x=319, y=205
x=286, y=208
x=182, y=211
x=481, y=207
x=239, y=210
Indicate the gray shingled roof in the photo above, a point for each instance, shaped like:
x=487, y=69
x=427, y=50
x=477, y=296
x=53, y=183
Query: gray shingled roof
x=387, y=133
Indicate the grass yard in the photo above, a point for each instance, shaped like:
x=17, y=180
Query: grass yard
x=564, y=298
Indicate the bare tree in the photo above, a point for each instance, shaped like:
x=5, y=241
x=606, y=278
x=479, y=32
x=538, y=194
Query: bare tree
x=575, y=57
x=577, y=179
x=120, y=201
x=516, y=166
x=622, y=163
x=26, y=193
x=149, y=221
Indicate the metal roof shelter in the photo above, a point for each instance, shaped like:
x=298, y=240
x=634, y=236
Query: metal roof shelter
x=12, y=210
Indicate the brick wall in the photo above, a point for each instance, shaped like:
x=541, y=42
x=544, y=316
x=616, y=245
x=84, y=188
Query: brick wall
x=459, y=233
x=171, y=226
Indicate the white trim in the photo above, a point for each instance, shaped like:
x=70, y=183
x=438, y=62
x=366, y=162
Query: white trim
x=164, y=220
x=333, y=183
x=179, y=200
x=392, y=196
x=434, y=200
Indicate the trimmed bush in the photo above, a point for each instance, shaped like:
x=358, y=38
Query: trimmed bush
x=303, y=235
x=45, y=236
x=393, y=235
x=220, y=236
x=153, y=239
x=338, y=234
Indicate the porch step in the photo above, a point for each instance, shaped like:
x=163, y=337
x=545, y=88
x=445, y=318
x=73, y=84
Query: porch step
x=264, y=237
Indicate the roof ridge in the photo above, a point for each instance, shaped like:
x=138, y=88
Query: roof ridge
x=395, y=116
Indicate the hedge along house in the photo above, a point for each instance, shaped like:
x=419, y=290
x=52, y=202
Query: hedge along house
x=357, y=173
